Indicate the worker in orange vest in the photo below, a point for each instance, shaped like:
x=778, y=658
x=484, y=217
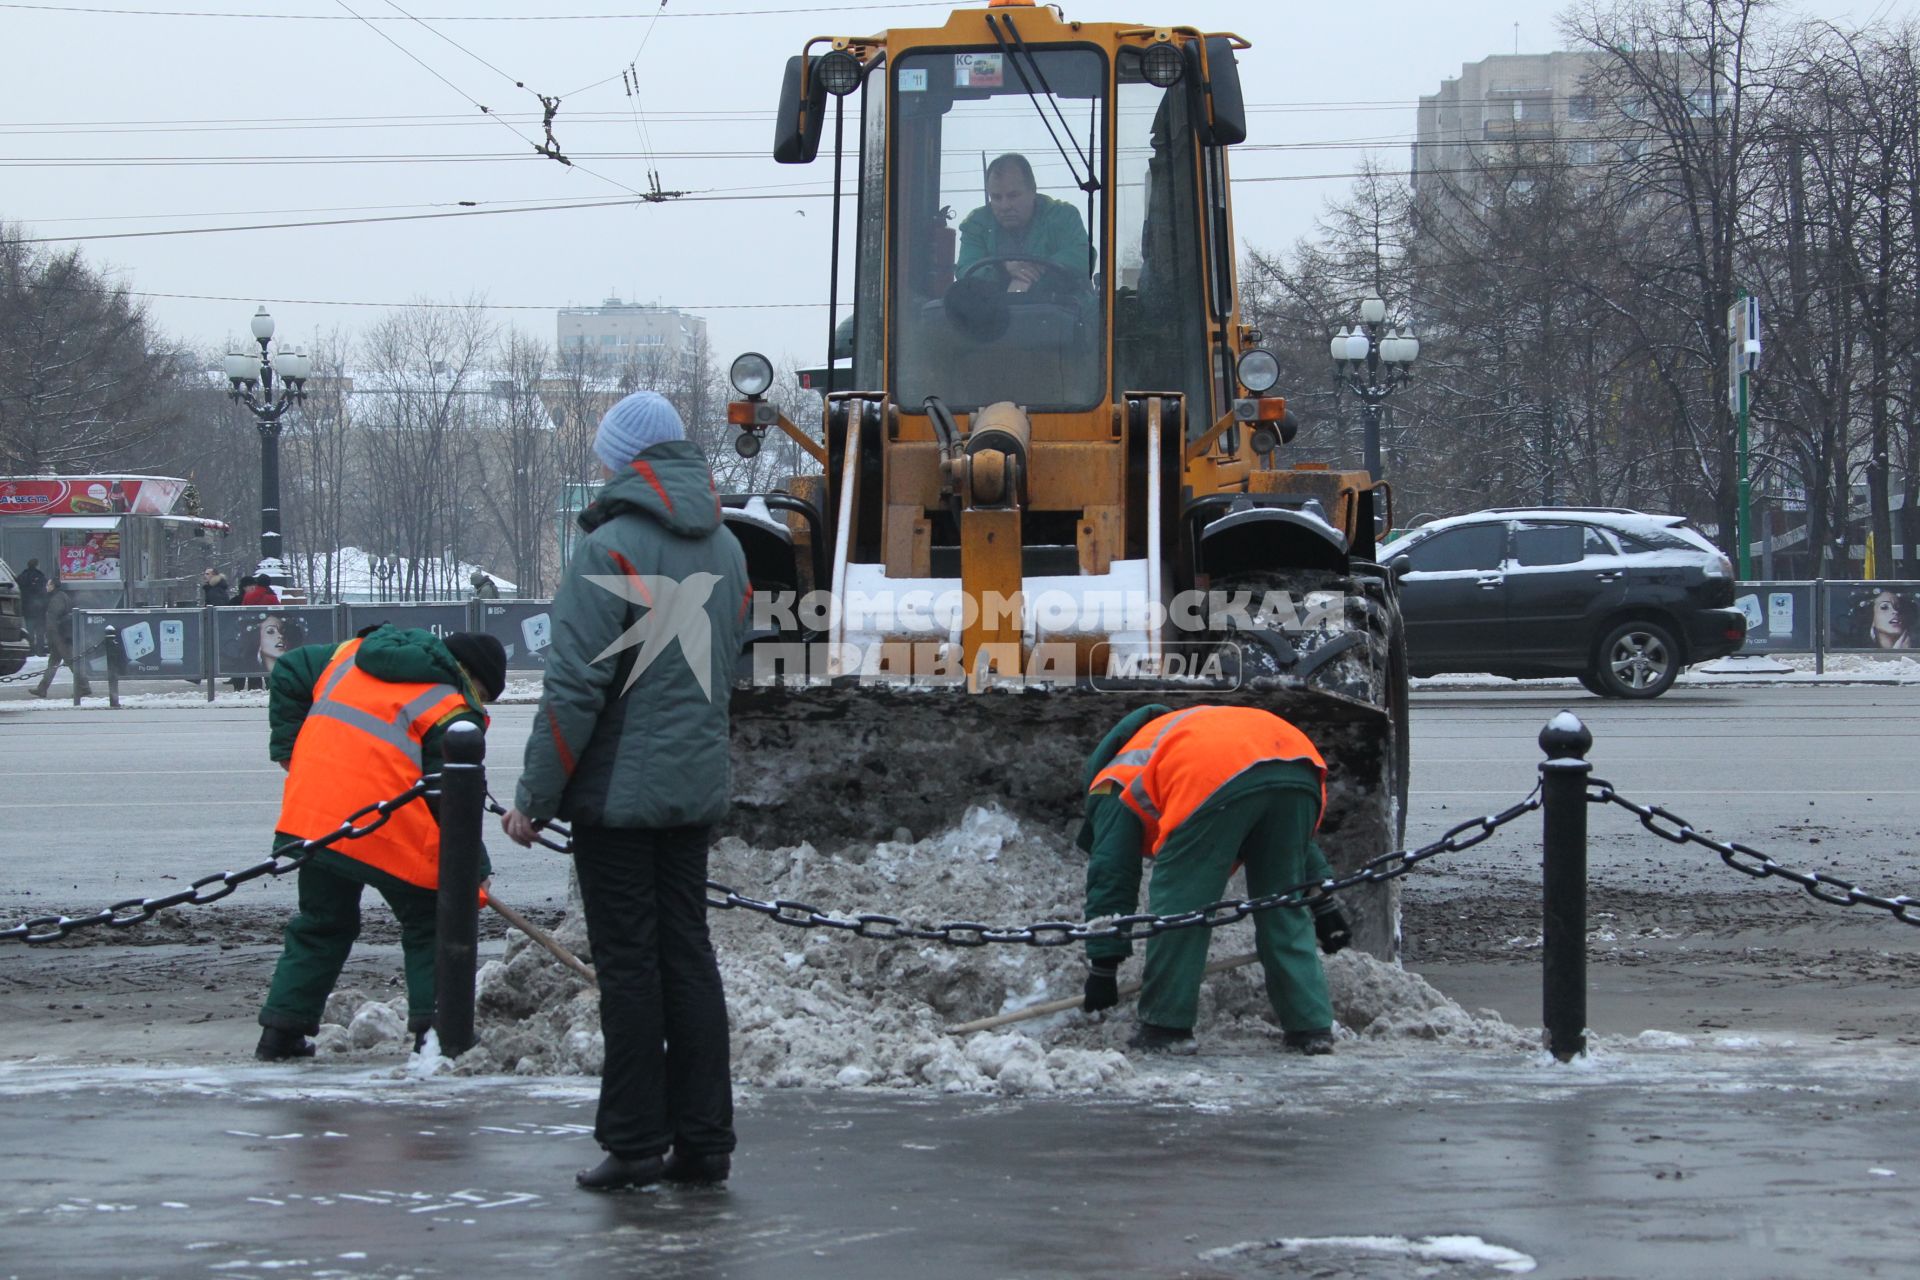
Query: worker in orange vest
x=1198, y=792
x=354, y=724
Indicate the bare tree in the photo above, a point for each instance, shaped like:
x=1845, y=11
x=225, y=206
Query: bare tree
x=82, y=373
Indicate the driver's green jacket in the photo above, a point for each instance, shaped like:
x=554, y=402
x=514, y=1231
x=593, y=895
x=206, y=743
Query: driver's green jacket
x=1056, y=233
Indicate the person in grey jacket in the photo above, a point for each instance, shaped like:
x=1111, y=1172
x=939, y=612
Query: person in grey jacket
x=630, y=745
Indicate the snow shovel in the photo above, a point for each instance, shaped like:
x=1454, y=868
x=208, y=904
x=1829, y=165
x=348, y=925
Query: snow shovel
x=1061, y=1005
x=545, y=939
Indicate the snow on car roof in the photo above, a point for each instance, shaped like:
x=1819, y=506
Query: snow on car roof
x=1610, y=517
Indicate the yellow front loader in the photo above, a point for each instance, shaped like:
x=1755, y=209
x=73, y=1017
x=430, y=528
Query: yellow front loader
x=1053, y=465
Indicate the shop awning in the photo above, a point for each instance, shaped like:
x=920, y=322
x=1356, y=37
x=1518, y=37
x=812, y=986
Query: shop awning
x=99, y=524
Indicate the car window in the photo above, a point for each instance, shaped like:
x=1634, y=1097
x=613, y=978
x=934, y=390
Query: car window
x=1547, y=544
x=1479, y=546
x=1597, y=544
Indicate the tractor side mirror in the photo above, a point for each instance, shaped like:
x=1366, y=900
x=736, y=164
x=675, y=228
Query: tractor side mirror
x=1218, y=108
x=796, y=126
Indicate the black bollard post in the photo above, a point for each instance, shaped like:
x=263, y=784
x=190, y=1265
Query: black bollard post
x=1563, y=813
x=116, y=655
x=463, y=802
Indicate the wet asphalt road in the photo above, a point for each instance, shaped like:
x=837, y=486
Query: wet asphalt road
x=1700, y=1171
x=1753, y=1157
x=107, y=805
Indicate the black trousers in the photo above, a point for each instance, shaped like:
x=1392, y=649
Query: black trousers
x=666, y=1082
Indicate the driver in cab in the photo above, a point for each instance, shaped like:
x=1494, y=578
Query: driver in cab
x=1020, y=224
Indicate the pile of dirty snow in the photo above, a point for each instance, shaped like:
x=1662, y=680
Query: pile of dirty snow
x=819, y=1008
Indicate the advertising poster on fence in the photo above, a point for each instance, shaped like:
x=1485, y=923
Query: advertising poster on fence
x=1780, y=616
x=157, y=644
x=441, y=619
x=525, y=627
x=1873, y=616
x=250, y=641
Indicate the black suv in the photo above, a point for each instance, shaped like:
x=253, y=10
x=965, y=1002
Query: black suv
x=1621, y=599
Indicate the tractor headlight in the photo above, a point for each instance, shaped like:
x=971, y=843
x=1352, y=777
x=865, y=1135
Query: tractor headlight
x=1161, y=64
x=752, y=373
x=839, y=73
x=1259, y=370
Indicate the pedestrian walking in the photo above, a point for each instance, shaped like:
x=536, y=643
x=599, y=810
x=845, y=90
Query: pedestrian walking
x=1197, y=792
x=632, y=750
x=258, y=590
x=353, y=724
x=484, y=587
x=59, y=628
x=33, y=605
x=214, y=590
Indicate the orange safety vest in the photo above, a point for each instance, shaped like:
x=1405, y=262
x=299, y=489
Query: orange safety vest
x=361, y=744
x=1177, y=762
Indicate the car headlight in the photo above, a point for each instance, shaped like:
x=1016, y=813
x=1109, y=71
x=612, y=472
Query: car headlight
x=751, y=374
x=1259, y=369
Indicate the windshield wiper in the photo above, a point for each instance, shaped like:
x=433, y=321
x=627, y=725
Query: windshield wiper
x=1013, y=53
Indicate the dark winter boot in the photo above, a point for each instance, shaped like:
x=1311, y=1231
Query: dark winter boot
x=1162, y=1039
x=616, y=1173
x=277, y=1045
x=418, y=1028
x=698, y=1170
x=1311, y=1043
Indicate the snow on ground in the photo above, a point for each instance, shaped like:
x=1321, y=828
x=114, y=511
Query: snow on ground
x=818, y=1008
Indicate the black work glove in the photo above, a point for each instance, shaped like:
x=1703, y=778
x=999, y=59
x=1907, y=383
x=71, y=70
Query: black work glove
x=1330, y=926
x=1103, y=986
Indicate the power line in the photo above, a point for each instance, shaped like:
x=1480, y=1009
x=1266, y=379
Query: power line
x=412, y=217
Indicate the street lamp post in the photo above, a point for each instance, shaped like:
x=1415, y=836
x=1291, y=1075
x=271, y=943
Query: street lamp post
x=250, y=382
x=1373, y=365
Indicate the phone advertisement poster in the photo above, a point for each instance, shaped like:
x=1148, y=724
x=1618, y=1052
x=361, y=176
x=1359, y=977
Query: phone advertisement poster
x=154, y=644
x=1780, y=616
x=525, y=627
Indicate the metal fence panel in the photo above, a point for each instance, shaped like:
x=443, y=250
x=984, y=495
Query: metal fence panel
x=441, y=619
x=159, y=644
x=250, y=639
x=525, y=627
x=1782, y=617
x=1872, y=617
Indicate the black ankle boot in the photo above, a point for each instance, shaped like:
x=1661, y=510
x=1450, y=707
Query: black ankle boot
x=279, y=1045
x=616, y=1173
x=704, y=1170
x=1311, y=1043
x=1162, y=1039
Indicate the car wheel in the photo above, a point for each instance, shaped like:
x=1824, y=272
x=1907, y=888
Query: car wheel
x=1591, y=683
x=1637, y=660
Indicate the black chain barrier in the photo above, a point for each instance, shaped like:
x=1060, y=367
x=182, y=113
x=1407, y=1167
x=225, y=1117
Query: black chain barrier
x=1061, y=933
x=98, y=649
x=287, y=857
x=1749, y=861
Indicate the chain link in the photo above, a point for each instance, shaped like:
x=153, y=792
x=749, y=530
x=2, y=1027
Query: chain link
x=287, y=857
x=1749, y=861
x=98, y=649
x=1062, y=933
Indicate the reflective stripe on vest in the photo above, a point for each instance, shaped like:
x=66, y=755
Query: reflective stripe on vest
x=361, y=743
x=1177, y=762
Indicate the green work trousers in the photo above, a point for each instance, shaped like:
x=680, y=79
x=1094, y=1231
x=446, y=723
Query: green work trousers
x=319, y=938
x=1264, y=819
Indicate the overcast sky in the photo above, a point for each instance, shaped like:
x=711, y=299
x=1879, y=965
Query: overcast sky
x=126, y=119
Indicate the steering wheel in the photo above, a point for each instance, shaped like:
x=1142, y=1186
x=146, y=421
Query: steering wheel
x=1065, y=281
